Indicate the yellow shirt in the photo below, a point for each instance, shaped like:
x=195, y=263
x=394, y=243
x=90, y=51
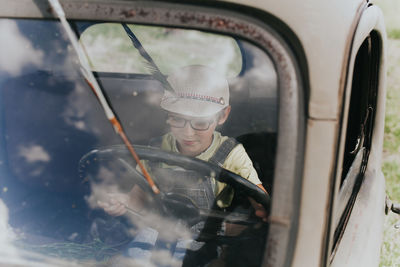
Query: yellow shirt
x=237, y=162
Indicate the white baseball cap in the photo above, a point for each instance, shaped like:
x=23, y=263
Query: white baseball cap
x=199, y=91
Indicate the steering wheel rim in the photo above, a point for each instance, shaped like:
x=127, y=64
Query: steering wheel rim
x=190, y=163
x=164, y=203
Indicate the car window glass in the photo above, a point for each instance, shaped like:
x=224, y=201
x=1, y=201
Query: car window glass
x=60, y=155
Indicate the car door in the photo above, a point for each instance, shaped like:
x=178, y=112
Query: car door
x=358, y=200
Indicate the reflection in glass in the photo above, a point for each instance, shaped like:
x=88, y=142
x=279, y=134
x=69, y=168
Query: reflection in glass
x=59, y=155
x=17, y=49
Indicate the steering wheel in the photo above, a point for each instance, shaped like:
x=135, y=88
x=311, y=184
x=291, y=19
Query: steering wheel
x=179, y=205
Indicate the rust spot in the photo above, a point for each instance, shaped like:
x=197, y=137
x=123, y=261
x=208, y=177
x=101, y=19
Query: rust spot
x=272, y=251
x=186, y=19
x=128, y=13
x=143, y=13
x=221, y=23
x=279, y=220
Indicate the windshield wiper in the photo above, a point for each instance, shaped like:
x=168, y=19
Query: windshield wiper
x=94, y=85
x=151, y=65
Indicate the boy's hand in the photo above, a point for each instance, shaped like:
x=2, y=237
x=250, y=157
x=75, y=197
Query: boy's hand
x=116, y=204
x=259, y=210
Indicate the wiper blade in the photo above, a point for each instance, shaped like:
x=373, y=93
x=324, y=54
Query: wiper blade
x=154, y=70
x=94, y=85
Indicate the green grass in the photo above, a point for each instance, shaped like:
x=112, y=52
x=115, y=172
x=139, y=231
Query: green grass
x=393, y=33
x=391, y=169
x=390, y=250
x=391, y=11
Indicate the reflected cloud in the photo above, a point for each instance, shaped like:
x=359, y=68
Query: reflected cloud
x=16, y=51
x=80, y=125
x=104, y=191
x=6, y=233
x=11, y=255
x=76, y=109
x=34, y=153
x=100, y=192
x=34, y=159
x=158, y=258
x=167, y=229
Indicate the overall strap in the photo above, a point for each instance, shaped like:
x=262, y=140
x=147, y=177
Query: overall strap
x=223, y=151
x=218, y=158
x=156, y=141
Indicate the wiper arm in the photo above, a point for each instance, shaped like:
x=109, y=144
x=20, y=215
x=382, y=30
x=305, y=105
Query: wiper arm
x=94, y=85
x=152, y=66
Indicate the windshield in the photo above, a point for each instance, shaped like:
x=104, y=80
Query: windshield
x=170, y=48
x=70, y=189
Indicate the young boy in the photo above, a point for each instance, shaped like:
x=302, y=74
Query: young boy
x=199, y=104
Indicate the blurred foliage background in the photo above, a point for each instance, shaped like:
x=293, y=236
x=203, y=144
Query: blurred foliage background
x=170, y=48
x=390, y=251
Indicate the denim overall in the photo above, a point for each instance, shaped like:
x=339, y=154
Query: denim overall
x=189, y=184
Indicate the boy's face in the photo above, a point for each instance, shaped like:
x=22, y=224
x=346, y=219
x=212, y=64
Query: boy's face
x=195, y=135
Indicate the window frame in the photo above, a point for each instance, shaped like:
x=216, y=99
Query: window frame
x=259, y=28
x=350, y=173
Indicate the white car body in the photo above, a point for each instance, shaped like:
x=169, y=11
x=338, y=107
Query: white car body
x=317, y=42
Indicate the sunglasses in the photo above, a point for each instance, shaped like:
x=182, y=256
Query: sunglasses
x=201, y=124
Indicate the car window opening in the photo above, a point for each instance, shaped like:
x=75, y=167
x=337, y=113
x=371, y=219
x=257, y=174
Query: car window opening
x=362, y=109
